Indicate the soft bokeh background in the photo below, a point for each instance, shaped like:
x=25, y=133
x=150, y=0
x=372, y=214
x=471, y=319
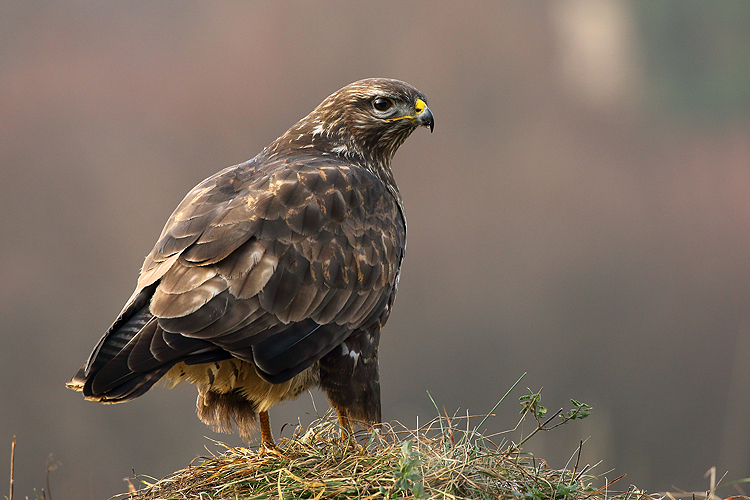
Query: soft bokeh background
x=581, y=213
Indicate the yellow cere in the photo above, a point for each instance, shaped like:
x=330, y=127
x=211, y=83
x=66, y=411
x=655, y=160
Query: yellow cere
x=418, y=108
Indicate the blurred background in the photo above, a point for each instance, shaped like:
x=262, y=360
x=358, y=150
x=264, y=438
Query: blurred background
x=581, y=213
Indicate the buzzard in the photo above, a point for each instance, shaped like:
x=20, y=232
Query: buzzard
x=276, y=274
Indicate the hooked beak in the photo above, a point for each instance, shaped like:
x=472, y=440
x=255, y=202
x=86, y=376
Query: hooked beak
x=423, y=115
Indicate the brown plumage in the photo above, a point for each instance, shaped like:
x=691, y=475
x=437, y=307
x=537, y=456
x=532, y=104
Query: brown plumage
x=276, y=274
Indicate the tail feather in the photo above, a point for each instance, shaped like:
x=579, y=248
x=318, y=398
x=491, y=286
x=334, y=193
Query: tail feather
x=137, y=385
x=135, y=353
x=134, y=316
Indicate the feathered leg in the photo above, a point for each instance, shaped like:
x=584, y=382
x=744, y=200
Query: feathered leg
x=349, y=376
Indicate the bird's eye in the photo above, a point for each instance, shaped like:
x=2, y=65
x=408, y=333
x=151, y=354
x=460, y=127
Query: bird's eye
x=382, y=103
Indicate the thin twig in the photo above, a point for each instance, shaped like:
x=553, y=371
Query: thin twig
x=578, y=459
x=540, y=427
x=12, y=463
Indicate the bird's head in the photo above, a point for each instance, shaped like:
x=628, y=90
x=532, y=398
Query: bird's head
x=365, y=122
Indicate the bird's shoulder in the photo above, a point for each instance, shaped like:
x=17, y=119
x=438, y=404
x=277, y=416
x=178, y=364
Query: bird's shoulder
x=300, y=200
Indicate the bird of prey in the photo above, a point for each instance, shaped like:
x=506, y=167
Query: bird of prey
x=275, y=275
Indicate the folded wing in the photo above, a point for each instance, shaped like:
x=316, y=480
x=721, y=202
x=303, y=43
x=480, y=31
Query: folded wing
x=271, y=262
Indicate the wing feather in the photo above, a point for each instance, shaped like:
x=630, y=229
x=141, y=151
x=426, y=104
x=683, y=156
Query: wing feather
x=174, y=305
x=202, y=318
x=332, y=307
x=241, y=261
x=253, y=282
x=185, y=277
x=298, y=308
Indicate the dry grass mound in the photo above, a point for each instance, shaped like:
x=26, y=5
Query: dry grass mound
x=446, y=459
